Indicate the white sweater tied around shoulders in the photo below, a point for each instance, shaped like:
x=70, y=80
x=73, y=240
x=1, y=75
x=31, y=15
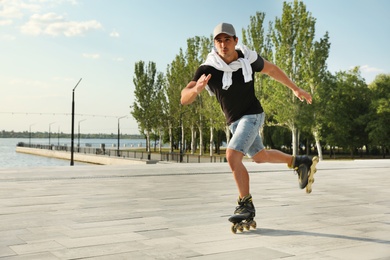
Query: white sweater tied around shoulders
x=214, y=60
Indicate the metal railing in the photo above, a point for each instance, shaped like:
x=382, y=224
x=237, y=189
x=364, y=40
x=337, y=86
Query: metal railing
x=190, y=158
x=130, y=154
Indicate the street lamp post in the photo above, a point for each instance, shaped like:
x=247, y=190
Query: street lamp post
x=119, y=135
x=72, y=135
x=78, y=144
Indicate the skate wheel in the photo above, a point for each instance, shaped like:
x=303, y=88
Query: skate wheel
x=247, y=226
x=241, y=228
x=253, y=224
x=234, y=229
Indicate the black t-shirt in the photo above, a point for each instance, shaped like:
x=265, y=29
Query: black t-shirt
x=239, y=99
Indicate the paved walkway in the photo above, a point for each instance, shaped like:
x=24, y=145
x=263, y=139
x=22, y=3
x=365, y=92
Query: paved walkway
x=180, y=211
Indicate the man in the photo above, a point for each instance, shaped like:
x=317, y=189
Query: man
x=228, y=73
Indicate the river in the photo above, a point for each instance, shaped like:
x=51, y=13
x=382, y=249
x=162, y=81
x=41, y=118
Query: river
x=11, y=159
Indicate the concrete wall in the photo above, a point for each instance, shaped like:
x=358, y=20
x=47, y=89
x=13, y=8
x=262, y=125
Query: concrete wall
x=87, y=158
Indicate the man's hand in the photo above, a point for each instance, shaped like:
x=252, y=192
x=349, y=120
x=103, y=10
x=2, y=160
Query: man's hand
x=303, y=95
x=191, y=91
x=202, y=83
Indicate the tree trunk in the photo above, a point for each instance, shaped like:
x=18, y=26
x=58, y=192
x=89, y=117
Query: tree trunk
x=200, y=135
x=211, y=139
x=160, y=141
x=148, y=141
x=295, y=140
x=201, y=141
x=316, y=135
x=182, y=139
x=193, y=139
x=227, y=132
x=170, y=138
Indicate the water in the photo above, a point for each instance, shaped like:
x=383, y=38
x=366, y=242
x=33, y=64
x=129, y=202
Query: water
x=9, y=158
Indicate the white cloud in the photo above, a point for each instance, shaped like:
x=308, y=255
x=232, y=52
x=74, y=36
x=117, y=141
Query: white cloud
x=368, y=69
x=119, y=59
x=54, y=25
x=15, y=8
x=114, y=34
x=5, y=22
x=10, y=11
x=40, y=23
x=91, y=55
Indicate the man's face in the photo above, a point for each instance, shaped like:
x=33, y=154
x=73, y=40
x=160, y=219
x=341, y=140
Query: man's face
x=226, y=46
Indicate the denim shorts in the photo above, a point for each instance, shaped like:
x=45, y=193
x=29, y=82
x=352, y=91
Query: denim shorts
x=246, y=138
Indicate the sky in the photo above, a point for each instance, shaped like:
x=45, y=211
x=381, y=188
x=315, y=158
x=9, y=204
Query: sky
x=47, y=46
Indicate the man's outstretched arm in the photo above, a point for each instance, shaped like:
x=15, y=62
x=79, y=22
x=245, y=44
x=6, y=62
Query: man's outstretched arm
x=276, y=73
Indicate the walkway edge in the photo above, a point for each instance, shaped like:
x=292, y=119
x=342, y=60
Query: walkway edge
x=86, y=158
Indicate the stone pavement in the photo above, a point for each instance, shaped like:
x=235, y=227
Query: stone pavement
x=180, y=211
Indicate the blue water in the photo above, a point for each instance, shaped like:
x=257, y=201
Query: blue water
x=9, y=158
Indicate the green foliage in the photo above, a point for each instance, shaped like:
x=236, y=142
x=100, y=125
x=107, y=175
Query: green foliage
x=345, y=111
x=148, y=99
x=290, y=44
x=255, y=38
x=379, y=118
x=276, y=137
x=294, y=45
x=179, y=73
x=145, y=95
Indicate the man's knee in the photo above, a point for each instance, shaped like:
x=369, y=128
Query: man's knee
x=261, y=156
x=233, y=156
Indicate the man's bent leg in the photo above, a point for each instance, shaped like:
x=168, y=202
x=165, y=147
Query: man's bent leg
x=240, y=173
x=301, y=163
x=273, y=156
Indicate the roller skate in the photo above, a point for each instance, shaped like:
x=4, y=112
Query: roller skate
x=243, y=215
x=305, y=168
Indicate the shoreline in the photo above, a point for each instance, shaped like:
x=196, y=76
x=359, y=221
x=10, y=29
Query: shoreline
x=85, y=158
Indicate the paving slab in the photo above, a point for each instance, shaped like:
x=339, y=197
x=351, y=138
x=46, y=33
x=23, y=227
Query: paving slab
x=180, y=211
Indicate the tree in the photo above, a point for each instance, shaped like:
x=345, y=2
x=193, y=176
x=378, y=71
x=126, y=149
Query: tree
x=379, y=119
x=161, y=116
x=179, y=73
x=145, y=107
x=255, y=38
x=317, y=75
x=290, y=45
x=345, y=110
x=194, y=116
x=301, y=57
x=175, y=83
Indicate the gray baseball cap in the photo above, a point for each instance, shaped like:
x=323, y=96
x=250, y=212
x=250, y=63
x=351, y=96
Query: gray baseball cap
x=224, y=28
